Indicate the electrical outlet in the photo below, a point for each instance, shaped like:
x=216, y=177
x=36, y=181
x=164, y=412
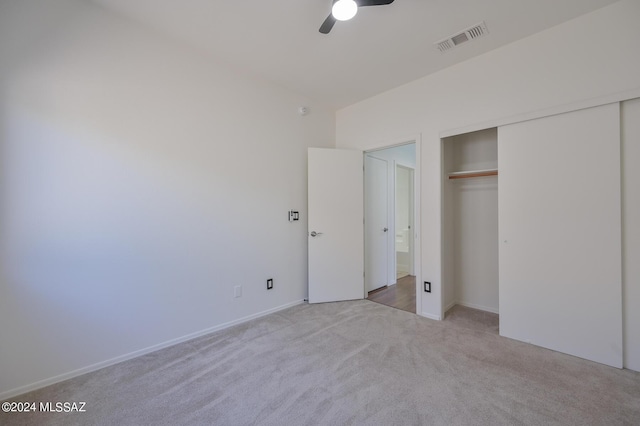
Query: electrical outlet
x=237, y=291
x=427, y=286
x=269, y=283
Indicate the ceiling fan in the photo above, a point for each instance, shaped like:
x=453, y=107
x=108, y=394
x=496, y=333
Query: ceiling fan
x=343, y=10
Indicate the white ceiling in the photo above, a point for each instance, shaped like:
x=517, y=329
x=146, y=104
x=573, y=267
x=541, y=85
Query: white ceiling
x=381, y=48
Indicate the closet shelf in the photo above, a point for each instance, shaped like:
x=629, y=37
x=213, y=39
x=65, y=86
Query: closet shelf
x=473, y=174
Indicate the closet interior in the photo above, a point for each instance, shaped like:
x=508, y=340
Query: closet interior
x=470, y=220
x=547, y=255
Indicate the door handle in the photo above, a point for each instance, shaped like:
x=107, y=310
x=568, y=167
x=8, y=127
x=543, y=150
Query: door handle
x=385, y=229
x=314, y=233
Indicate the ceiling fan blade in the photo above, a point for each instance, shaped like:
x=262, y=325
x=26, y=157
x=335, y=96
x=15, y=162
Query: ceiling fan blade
x=327, y=24
x=362, y=3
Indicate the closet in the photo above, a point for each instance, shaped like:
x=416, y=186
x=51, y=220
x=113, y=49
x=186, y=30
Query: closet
x=542, y=243
x=470, y=220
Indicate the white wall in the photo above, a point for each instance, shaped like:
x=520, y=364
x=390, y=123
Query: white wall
x=630, y=118
x=139, y=183
x=403, y=154
x=591, y=56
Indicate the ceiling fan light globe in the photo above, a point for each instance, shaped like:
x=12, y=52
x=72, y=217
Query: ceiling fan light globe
x=343, y=10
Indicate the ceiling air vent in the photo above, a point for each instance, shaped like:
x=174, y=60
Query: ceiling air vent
x=464, y=36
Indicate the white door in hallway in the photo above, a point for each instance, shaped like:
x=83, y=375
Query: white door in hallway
x=335, y=227
x=376, y=226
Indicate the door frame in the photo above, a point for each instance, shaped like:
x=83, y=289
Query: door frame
x=417, y=209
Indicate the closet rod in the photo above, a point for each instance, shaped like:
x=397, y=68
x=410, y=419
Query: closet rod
x=473, y=173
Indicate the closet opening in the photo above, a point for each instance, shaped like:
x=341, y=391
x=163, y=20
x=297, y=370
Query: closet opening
x=470, y=229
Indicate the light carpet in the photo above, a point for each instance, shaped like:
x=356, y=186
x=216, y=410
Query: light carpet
x=348, y=363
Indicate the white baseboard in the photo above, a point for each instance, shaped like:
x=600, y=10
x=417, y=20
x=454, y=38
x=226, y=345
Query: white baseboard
x=431, y=316
x=97, y=366
x=475, y=306
x=449, y=306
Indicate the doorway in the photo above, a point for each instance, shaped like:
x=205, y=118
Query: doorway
x=390, y=233
x=404, y=243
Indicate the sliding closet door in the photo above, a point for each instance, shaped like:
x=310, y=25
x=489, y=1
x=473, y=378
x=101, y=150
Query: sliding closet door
x=560, y=233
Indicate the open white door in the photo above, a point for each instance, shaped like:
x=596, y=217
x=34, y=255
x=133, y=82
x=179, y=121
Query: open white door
x=335, y=203
x=376, y=226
